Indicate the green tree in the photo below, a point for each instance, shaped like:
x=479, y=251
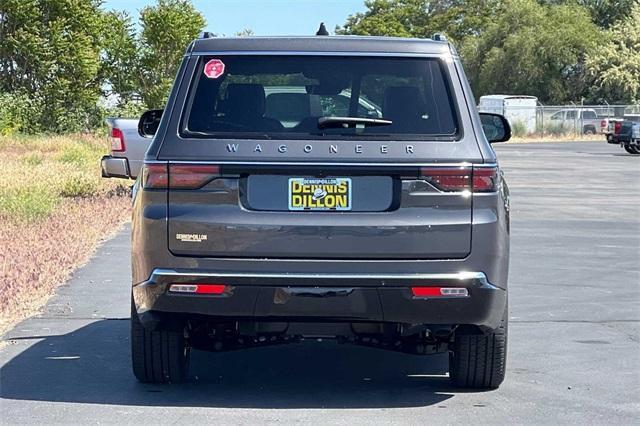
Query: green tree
x=119, y=56
x=167, y=29
x=615, y=66
x=458, y=19
x=535, y=49
x=604, y=13
x=50, y=53
x=247, y=32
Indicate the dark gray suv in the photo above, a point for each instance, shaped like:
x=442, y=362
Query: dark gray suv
x=321, y=187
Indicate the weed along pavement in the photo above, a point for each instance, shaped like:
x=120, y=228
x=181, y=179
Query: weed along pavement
x=574, y=353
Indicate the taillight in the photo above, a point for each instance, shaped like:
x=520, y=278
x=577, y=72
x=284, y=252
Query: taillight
x=448, y=178
x=155, y=176
x=117, y=140
x=460, y=179
x=603, y=124
x=617, y=126
x=485, y=179
x=197, y=288
x=191, y=176
x=178, y=176
x=439, y=292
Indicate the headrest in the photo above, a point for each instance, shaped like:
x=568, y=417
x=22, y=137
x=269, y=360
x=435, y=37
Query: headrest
x=288, y=106
x=403, y=103
x=245, y=100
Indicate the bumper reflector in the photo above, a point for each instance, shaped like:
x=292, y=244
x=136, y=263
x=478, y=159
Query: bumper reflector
x=197, y=288
x=439, y=291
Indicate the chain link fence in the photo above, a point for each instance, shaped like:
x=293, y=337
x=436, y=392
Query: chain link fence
x=529, y=118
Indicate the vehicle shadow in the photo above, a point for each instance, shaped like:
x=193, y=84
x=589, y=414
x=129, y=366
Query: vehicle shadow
x=92, y=365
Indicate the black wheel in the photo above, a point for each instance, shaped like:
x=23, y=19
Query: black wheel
x=157, y=356
x=478, y=361
x=631, y=149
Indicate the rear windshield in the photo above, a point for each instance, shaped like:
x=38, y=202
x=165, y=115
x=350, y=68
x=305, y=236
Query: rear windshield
x=309, y=97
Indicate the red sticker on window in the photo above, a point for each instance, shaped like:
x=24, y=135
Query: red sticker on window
x=214, y=68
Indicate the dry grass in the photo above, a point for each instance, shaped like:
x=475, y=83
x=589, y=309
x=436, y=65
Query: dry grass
x=54, y=210
x=558, y=138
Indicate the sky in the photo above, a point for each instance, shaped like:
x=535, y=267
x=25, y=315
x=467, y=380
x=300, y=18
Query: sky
x=265, y=18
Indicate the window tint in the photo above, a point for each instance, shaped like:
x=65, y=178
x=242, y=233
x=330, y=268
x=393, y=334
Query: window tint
x=588, y=115
x=284, y=96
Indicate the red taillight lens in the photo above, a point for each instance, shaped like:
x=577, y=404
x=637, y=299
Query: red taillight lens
x=459, y=179
x=617, y=126
x=485, y=179
x=117, y=140
x=197, y=288
x=439, y=292
x=603, y=123
x=448, y=178
x=191, y=176
x=155, y=176
x=178, y=176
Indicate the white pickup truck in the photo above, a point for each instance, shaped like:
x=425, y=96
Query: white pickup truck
x=581, y=120
x=127, y=149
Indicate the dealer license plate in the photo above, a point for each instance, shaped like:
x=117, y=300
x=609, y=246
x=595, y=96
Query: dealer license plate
x=320, y=194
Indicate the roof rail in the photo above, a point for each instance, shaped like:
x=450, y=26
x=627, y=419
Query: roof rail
x=439, y=37
x=206, y=34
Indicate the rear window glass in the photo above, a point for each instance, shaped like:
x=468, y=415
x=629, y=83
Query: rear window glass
x=288, y=96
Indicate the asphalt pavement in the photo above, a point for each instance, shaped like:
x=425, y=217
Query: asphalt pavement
x=574, y=348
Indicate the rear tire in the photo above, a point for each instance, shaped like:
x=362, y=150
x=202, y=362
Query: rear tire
x=157, y=356
x=632, y=149
x=478, y=361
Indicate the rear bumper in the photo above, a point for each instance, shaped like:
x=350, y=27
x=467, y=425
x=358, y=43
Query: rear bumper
x=120, y=167
x=322, y=297
x=115, y=167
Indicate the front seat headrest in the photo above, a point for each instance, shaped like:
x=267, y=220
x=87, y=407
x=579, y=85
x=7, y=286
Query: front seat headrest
x=245, y=101
x=403, y=103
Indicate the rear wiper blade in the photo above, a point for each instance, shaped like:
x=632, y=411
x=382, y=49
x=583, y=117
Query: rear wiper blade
x=213, y=134
x=347, y=122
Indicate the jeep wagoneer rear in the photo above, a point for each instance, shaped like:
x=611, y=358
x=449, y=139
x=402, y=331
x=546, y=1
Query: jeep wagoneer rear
x=334, y=187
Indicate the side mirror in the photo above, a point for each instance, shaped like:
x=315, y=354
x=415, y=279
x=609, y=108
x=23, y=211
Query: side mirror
x=149, y=122
x=496, y=127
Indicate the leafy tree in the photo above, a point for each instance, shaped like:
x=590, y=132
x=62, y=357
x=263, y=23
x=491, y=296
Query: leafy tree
x=458, y=19
x=604, y=13
x=615, y=66
x=508, y=46
x=400, y=18
x=50, y=53
x=530, y=48
x=167, y=29
x=247, y=32
x=119, y=56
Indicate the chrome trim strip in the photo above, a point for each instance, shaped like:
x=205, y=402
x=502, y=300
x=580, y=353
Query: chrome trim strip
x=311, y=163
x=462, y=276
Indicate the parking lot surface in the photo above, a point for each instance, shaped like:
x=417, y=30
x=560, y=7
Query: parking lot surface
x=574, y=348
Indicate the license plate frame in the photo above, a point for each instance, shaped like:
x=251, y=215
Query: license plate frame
x=320, y=194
